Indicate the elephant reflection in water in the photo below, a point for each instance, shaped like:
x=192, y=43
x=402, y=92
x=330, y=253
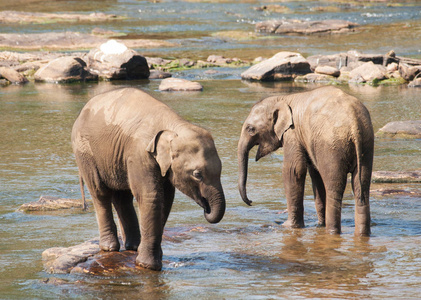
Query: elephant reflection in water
x=324, y=131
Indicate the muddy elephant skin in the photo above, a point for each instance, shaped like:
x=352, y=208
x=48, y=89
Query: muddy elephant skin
x=325, y=131
x=128, y=144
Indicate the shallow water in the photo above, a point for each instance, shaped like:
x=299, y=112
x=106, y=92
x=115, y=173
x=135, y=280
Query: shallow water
x=248, y=255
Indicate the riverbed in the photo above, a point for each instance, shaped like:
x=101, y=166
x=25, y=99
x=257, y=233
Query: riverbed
x=249, y=255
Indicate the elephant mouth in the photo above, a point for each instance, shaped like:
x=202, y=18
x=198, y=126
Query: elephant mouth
x=203, y=203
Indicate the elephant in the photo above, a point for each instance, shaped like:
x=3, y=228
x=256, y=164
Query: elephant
x=325, y=131
x=128, y=144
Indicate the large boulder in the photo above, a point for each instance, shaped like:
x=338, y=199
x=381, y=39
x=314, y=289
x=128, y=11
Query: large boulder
x=408, y=72
x=368, y=72
x=402, y=128
x=304, y=27
x=64, y=69
x=113, y=60
x=12, y=75
x=281, y=66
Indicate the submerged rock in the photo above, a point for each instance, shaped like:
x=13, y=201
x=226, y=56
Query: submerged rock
x=48, y=203
x=178, y=84
x=87, y=258
x=396, y=177
x=411, y=129
x=305, y=27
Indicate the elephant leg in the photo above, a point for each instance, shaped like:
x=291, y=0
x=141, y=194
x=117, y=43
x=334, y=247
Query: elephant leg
x=335, y=188
x=101, y=198
x=319, y=192
x=294, y=174
x=169, y=192
x=362, y=203
x=129, y=224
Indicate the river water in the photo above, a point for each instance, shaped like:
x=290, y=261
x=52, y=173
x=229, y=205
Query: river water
x=248, y=255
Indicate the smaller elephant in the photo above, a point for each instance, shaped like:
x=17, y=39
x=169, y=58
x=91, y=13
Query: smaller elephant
x=325, y=131
x=128, y=144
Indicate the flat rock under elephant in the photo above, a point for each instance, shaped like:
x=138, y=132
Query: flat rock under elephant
x=87, y=258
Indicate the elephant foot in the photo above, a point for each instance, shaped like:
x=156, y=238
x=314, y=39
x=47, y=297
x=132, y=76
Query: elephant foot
x=321, y=224
x=109, y=244
x=291, y=224
x=131, y=245
x=333, y=230
x=148, y=262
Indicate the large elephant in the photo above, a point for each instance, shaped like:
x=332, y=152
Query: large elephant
x=129, y=144
x=325, y=131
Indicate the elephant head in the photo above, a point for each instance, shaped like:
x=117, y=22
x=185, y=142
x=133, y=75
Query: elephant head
x=192, y=163
x=265, y=126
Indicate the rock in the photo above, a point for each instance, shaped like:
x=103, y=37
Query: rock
x=305, y=27
x=157, y=74
x=315, y=78
x=415, y=83
x=219, y=60
x=275, y=8
x=409, y=72
x=48, y=203
x=396, y=177
x=40, y=18
x=113, y=60
x=328, y=70
x=393, y=67
x=405, y=129
x=368, y=72
x=12, y=75
x=63, y=260
x=177, y=84
x=67, y=41
x=281, y=66
x=87, y=258
x=65, y=69
x=395, y=192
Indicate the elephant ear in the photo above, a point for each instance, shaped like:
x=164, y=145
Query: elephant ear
x=160, y=148
x=282, y=119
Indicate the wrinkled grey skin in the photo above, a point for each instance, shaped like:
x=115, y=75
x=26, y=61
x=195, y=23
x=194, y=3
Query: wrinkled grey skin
x=324, y=131
x=129, y=144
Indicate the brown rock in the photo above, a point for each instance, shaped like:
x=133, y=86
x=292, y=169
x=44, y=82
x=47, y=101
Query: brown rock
x=327, y=70
x=281, y=66
x=409, y=72
x=305, y=27
x=48, y=203
x=396, y=177
x=12, y=75
x=368, y=72
x=113, y=60
x=65, y=69
x=415, y=83
x=402, y=128
x=178, y=84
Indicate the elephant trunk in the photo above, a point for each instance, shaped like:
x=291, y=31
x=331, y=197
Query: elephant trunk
x=243, y=157
x=215, y=210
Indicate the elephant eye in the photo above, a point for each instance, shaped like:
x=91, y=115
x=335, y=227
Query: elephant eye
x=197, y=175
x=251, y=130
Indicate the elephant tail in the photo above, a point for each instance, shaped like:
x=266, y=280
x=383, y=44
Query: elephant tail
x=362, y=174
x=82, y=191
